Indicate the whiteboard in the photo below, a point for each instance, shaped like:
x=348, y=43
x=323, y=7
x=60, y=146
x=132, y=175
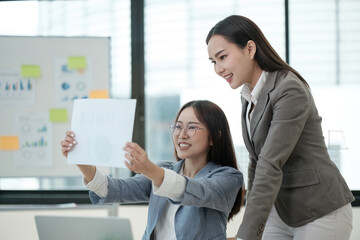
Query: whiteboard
x=39, y=79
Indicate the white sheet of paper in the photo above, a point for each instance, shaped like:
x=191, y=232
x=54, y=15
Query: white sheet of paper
x=101, y=127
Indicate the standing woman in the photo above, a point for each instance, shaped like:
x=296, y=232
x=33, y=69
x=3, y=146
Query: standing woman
x=192, y=198
x=294, y=190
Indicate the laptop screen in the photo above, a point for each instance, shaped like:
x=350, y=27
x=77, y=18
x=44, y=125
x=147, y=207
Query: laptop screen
x=88, y=228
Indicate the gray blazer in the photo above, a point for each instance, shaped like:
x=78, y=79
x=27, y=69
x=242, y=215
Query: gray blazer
x=204, y=209
x=289, y=164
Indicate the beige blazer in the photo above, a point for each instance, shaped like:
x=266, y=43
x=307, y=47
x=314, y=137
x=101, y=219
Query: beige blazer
x=289, y=164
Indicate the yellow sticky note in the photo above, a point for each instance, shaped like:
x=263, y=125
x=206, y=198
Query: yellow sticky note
x=76, y=63
x=30, y=71
x=99, y=94
x=58, y=115
x=9, y=142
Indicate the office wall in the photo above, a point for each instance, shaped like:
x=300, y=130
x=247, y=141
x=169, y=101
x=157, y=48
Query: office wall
x=12, y=221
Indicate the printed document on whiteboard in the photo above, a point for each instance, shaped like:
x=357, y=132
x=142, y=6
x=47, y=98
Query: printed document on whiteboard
x=101, y=127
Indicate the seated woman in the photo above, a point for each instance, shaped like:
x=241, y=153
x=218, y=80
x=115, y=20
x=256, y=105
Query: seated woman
x=192, y=198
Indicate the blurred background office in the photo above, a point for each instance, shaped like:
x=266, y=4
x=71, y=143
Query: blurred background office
x=159, y=56
x=321, y=39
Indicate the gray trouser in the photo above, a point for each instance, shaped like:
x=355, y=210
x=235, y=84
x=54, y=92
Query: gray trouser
x=336, y=225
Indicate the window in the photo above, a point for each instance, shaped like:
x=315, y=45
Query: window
x=325, y=49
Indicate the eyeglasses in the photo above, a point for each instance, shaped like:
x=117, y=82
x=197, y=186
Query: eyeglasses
x=189, y=130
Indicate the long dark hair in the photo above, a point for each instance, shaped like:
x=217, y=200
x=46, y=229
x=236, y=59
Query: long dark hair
x=222, y=150
x=239, y=30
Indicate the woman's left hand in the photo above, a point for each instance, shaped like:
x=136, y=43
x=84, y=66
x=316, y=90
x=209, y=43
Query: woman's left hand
x=139, y=162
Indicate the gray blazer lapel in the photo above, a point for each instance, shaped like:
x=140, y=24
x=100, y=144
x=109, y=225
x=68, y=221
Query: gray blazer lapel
x=177, y=165
x=262, y=101
x=206, y=169
x=245, y=133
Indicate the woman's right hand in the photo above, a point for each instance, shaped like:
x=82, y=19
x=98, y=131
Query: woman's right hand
x=66, y=146
x=68, y=143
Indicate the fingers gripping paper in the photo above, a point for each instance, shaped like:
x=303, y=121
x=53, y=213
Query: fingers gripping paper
x=101, y=127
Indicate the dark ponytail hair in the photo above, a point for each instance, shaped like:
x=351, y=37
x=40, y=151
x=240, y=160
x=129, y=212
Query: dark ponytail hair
x=239, y=30
x=222, y=150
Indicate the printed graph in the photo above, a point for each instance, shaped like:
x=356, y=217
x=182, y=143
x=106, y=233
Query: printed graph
x=16, y=90
x=35, y=144
x=35, y=133
x=71, y=84
x=18, y=86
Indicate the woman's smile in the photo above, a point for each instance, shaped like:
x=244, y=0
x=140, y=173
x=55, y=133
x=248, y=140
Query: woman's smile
x=184, y=146
x=228, y=77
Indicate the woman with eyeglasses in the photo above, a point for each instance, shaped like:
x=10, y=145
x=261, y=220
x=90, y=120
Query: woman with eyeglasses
x=294, y=189
x=192, y=198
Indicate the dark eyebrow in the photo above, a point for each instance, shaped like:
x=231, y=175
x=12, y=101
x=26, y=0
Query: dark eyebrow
x=188, y=122
x=217, y=54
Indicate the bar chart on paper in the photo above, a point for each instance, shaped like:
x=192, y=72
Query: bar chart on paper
x=16, y=90
x=35, y=144
x=35, y=132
